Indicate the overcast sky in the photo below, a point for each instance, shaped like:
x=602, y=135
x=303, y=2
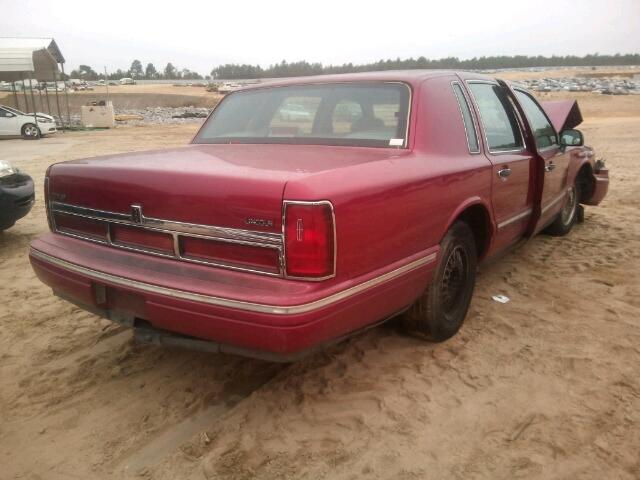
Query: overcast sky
x=200, y=35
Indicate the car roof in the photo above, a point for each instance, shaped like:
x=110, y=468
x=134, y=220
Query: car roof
x=412, y=77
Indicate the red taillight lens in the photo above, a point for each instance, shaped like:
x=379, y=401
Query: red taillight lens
x=81, y=226
x=139, y=237
x=309, y=239
x=242, y=255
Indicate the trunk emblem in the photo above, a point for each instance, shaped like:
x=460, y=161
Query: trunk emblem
x=136, y=214
x=299, y=229
x=259, y=222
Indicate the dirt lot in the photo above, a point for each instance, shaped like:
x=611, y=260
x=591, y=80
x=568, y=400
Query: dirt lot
x=545, y=386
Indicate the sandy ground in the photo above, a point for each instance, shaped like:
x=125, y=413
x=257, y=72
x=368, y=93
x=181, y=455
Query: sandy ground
x=545, y=386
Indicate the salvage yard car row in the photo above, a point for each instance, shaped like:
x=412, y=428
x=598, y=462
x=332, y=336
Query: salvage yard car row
x=606, y=86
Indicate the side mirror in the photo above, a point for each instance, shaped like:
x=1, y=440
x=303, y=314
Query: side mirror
x=571, y=138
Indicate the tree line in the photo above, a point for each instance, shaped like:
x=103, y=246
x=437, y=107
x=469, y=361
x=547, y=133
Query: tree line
x=136, y=71
x=232, y=71
x=303, y=68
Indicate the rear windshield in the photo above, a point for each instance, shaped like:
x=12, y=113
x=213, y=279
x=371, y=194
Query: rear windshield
x=356, y=114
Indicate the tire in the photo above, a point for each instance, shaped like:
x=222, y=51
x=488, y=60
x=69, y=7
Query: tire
x=439, y=313
x=6, y=226
x=569, y=214
x=30, y=131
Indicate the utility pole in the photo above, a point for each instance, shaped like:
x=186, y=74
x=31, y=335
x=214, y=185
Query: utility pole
x=106, y=83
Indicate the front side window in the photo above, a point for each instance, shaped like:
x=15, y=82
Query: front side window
x=497, y=116
x=543, y=131
x=352, y=114
x=14, y=111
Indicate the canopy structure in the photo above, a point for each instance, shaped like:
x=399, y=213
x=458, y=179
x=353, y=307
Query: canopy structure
x=27, y=60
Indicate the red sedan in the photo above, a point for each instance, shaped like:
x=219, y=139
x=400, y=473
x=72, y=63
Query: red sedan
x=273, y=235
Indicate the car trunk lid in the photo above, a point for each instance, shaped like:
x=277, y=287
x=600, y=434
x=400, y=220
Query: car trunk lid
x=232, y=194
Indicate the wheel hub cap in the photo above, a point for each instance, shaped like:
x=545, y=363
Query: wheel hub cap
x=569, y=209
x=454, y=278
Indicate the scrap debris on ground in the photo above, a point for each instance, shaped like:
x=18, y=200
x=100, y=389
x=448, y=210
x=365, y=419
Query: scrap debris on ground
x=154, y=116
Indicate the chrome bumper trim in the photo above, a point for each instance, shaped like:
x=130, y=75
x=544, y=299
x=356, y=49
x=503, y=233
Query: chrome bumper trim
x=175, y=230
x=230, y=303
x=183, y=228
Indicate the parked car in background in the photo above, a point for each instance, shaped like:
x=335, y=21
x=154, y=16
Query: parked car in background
x=272, y=238
x=13, y=122
x=294, y=113
x=127, y=81
x=16, y=195
x=228, y=87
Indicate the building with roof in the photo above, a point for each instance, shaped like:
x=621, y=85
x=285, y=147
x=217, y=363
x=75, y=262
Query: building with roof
x=27, y=60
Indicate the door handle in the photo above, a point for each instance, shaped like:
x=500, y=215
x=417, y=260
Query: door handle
x=549, y=167
x=504, y=172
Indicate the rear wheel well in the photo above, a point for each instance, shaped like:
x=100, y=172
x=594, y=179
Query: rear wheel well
x=477, y=217
x=585, y=179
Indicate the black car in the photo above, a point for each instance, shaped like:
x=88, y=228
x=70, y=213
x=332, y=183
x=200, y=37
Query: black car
x=16, y=195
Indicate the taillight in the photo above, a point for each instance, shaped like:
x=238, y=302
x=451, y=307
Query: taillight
x=309, y=232
x=140, y=238
x=248, y=256
x=80, y=226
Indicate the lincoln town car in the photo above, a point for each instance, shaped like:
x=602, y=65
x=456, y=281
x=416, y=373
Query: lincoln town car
x=273, y=235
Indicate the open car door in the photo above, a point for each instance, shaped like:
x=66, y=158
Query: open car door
x=542, y=129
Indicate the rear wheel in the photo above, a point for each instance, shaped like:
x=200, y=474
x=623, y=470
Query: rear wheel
x=30, y=131
x=568, y=216
x=442, y=308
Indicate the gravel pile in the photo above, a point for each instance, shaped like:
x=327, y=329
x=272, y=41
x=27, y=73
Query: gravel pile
x=151, y=116
x=164, y=115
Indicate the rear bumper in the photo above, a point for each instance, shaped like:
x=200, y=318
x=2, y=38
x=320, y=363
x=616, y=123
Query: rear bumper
x=246, y=313
x=600, y=187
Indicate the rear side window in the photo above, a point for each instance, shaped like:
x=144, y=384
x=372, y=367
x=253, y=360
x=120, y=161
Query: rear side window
x=497, y=116
x=469, y=127
x=543, y=131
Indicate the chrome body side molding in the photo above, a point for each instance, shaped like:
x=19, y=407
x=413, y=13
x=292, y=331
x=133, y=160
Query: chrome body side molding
x=554, y=201
x=515, y=218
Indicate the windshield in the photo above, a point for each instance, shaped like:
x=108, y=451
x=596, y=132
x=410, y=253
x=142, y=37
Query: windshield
x=353, y=114
x=13, y=110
